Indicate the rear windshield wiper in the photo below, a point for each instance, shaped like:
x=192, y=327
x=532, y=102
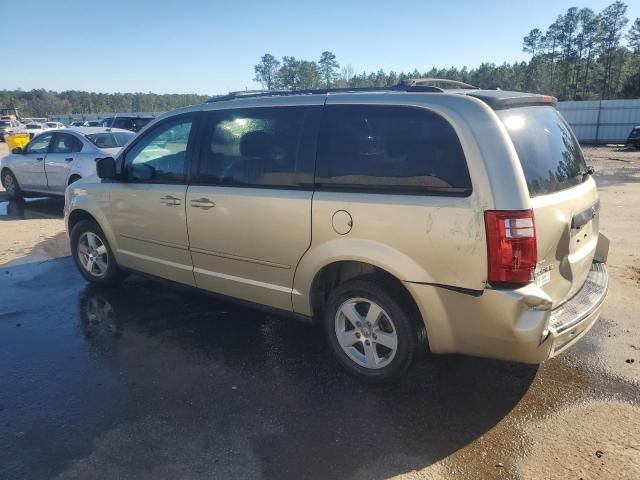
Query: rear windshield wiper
x=585, y=171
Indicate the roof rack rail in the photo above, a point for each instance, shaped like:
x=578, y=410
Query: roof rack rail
x=415, y=82
x=400, y=87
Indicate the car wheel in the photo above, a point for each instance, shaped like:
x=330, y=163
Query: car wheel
x=11, y=185
x=93, y=255
x=372, y=329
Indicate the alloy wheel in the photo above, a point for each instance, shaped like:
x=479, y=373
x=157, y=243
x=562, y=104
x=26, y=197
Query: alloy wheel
x=93, y=254
x=10, y=185
x=366, y=333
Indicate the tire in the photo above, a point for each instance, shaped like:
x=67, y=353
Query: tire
x=11, y=185
x=93, y=255
x=398, y=323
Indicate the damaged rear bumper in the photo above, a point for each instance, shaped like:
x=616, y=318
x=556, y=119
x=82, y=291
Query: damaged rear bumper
x=571, y=320
x=515, y=325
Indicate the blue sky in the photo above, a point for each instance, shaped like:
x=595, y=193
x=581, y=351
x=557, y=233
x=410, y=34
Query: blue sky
x=210, y=47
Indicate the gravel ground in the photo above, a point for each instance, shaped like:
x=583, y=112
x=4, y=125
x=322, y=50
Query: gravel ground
x=580, y=414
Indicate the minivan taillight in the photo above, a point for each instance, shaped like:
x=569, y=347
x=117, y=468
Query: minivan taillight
x=511, y=246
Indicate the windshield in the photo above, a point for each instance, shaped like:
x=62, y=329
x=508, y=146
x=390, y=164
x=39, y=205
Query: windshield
x=110, y=139
x=549, y=153
x=52, y=124
x=4, y=123
x=34, y=127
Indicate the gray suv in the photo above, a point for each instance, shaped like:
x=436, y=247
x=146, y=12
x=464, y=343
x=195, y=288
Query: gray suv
x=403, y=220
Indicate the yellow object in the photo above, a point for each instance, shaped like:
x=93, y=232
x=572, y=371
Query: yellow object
x=16, y=140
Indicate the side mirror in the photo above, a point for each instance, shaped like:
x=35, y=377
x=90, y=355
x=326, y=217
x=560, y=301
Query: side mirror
x=106, y=167
x=17, y=150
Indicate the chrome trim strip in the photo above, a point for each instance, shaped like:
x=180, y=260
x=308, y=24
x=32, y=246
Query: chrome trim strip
x=246, y=281
x=237, y=257
x=598, y=280
x=156, y=242
x=156, y=260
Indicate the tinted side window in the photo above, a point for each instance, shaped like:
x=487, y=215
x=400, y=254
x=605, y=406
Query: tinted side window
x=125, y=123
x=63, y=143
x=160, y=156
x=40, y=144
x=390, y=148
x=257, y=147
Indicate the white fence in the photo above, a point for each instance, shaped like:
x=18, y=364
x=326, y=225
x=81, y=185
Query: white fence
x=606, y=121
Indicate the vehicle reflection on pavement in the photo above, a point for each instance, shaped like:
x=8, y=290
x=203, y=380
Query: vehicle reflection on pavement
x=32, y=208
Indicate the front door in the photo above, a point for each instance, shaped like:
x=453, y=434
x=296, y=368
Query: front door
x=62, y=153
x=147, y=207
x=29, y=169
x=249, y=204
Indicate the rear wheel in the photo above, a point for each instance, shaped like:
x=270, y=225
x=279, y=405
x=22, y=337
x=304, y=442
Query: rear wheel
x=371, y=329
x=11, y=185
x=93, y=255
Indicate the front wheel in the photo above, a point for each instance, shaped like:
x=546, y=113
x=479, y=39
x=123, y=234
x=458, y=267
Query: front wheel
x=11, y=185
x=372, y=329
x=93, y=255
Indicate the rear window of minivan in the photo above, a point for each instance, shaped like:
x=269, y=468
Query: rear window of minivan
x=390, y=149
x=548, y=150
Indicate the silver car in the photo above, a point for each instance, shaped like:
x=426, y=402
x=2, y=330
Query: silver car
x=56, y=158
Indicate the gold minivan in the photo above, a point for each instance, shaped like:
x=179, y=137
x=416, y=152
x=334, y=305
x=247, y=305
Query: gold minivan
x=402, y=220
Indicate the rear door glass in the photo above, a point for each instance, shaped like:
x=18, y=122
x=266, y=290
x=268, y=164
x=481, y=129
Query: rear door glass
x=548, y=150
x=389, y=148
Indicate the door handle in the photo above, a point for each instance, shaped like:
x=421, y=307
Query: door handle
x=203, y=203
x=68, y=159
x=40, y=159
x=169, y=200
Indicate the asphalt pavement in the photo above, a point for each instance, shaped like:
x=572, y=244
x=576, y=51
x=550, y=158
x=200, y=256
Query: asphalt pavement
x=147, y=379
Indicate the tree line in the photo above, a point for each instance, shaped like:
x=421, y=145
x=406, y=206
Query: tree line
x=581, y=55
x=42, y=103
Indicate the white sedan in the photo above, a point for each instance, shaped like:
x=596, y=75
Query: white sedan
x=33, y=128
x=56, y=158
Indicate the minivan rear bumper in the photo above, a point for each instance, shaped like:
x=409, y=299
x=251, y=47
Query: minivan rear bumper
x=571, y=320
x=515, y=325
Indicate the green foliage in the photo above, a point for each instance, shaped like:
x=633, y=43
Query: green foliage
x=267, y=71
x=328, y=68
x=579, y=56
x=41, y=103
x=634, y=36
